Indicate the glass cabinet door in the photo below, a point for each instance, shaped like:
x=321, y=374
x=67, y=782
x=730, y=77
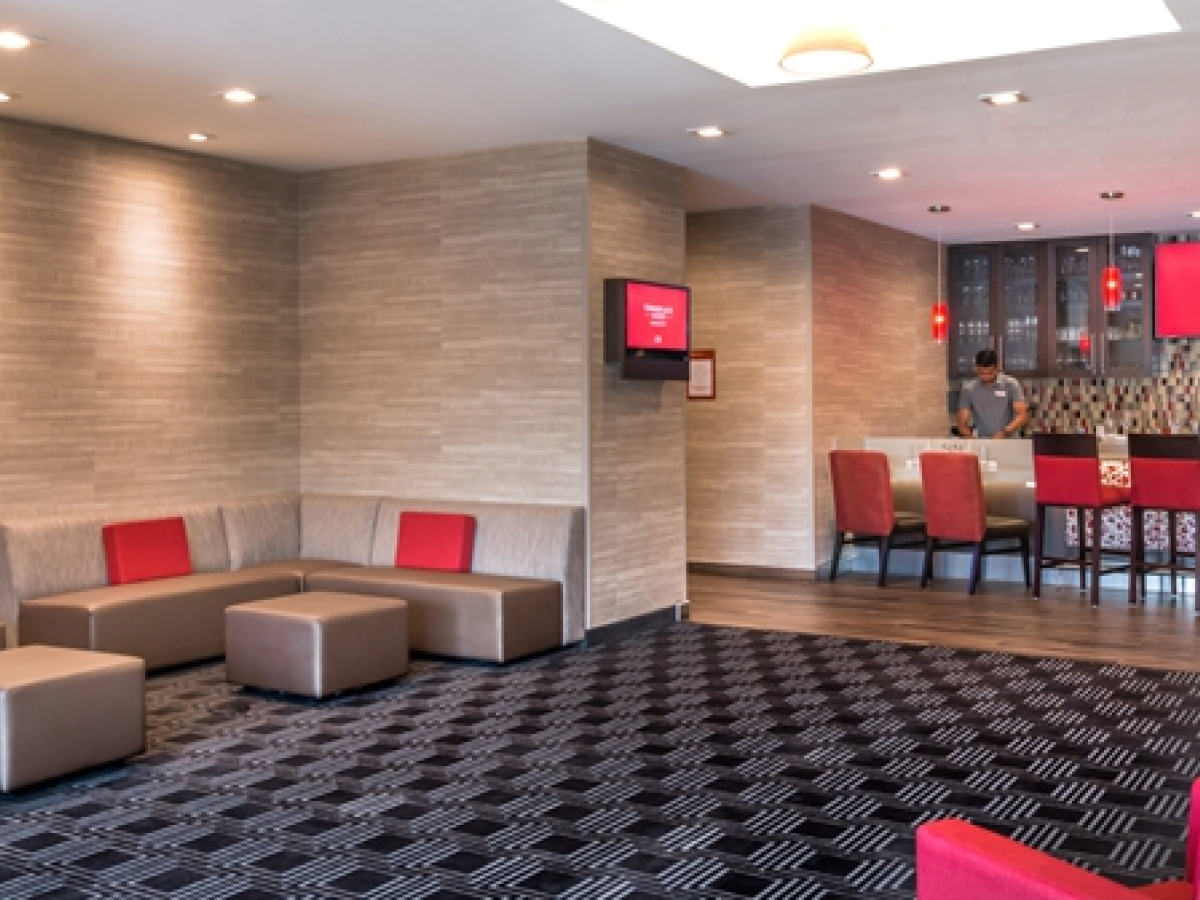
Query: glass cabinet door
x=971, y=277
x=1020, y=346
x=1074, y=350
x=1127, y=344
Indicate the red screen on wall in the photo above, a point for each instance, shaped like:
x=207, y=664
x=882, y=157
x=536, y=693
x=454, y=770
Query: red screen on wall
x=656, y=317
x=1177, y=290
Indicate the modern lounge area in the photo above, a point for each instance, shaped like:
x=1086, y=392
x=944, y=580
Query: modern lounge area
x=243, y=338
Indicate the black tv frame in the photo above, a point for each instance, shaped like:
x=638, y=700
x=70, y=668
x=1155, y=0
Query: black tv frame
x=641, y=365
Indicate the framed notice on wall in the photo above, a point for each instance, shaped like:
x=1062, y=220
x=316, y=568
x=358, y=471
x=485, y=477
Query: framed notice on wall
x=702, y=375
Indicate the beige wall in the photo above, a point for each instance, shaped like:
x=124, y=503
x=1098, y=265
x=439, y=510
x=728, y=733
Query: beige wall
x=749, y=452
x=876, y=372
x=637, y=466
x=443, y=326
x=149, y=330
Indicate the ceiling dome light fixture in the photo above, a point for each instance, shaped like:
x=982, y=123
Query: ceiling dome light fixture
x=6, y=97
x=826, y=53
x=891, y=173
x=1025, y=226
x=239, y=95
x=14, y=40
x=707, y=131
x=200, y=137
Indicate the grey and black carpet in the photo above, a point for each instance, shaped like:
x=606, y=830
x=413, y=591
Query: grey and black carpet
x=689, y=762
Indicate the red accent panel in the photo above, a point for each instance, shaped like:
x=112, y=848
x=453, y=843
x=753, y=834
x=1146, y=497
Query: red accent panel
x=1177, y=290
x=862, y=491
x=957, y=860
x=1165, y=483
x=954, y=501
x=1067, y=480
x=147, y=549
x=430, y=540
x=656, y=317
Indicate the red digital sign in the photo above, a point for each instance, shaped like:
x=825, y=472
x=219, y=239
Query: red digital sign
x=656, y=317
x=1177, y=290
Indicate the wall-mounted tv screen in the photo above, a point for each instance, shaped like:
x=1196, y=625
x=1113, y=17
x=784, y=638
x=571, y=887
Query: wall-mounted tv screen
x=647, y=328
x=1177, y=290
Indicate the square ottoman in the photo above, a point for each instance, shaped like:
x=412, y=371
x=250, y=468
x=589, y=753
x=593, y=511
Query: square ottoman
x=316, y=644
x=64, y=710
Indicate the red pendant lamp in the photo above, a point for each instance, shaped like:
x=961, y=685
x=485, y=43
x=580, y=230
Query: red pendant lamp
x=939, y=313
x=1110, y=276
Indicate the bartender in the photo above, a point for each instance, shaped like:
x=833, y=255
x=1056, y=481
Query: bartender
x=993, y=400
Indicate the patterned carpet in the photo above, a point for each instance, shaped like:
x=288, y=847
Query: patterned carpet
x=688, y=762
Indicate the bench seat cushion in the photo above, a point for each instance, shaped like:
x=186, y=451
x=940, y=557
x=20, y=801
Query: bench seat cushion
x=496, y=618
x=299, y=569
x=164, y=622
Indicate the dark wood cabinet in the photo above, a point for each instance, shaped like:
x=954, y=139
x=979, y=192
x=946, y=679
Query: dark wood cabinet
x=1038, y=305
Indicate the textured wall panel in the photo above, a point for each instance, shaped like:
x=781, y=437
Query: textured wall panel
x=876, y=372
x=637, y=429
x=148, y=325
x=749, y=452
x=443, y=327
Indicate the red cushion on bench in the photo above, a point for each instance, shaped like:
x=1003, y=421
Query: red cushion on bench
x=441, y=541
x=147, y=549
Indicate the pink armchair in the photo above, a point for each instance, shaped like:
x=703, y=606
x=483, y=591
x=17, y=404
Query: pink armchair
x=957, y=860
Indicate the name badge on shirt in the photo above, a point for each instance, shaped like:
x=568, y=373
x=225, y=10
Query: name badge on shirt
x=1001, y=393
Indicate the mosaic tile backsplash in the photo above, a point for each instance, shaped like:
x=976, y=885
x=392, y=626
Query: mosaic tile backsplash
x=1168, y=401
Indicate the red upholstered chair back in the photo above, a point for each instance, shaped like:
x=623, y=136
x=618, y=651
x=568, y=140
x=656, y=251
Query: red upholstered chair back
x=954, y=503
x=1164, y=471
x=1066, y=470
x=862, y=491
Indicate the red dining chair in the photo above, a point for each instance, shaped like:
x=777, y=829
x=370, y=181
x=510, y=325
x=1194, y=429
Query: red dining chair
x=957, y=860
x=956, y=516
x=1066, y=473
x=864, y=511
x=1164, y=474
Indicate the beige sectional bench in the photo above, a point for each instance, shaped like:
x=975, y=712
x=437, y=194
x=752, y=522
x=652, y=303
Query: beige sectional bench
x=524, y=594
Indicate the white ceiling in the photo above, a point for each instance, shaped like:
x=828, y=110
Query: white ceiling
x=357, y=81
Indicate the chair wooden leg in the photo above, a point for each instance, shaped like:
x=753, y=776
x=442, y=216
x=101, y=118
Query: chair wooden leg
x=1039, y=544
x=1079, y=517
x=885, y=548
x=1137, y=552
x=927, y=565
x=1025, y=558
x=1097, y=557
x=976, y=566
x=837, y=554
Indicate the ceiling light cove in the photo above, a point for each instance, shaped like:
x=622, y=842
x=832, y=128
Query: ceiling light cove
x=240, y=95
x=14, y=40
x=889, y=174
x=708, y=131
x=746, y=39
x=1004, y=98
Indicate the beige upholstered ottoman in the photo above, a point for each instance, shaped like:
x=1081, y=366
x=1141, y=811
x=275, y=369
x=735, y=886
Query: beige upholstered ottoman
x=63, y=710
x=316, y=644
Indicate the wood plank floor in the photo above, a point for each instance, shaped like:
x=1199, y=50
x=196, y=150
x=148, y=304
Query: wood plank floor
x=1162, y=634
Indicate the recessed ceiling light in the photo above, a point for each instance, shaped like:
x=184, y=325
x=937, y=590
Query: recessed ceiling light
x=939, y=208
x=6, y=97
x=239, y=95
x=14, y=40
x=1004, y=98
x=708, y=131
x=1111, y=195
x=200, y=137
x=1025, y=226
x=889, y=174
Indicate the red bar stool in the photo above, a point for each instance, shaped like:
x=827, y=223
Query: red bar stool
x=1164, y=474
x=1066, y=471
x=863, y=508
x=956, y=515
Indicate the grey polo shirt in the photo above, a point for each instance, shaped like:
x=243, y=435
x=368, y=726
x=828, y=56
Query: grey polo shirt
x=991, y=405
